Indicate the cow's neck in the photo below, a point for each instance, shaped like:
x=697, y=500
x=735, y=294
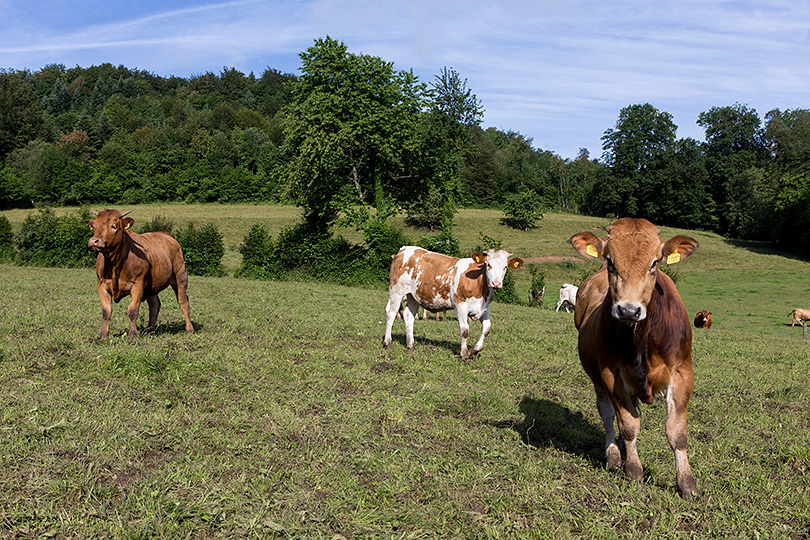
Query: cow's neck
x=115, y=259
x=633, y=342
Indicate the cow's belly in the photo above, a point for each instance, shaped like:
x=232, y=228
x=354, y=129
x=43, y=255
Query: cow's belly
x=433, y=302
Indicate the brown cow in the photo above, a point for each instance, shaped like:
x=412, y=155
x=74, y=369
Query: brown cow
x=140, y=265
x=800, y=315
x=439, y=282
x=635, y=339
x=703, y=319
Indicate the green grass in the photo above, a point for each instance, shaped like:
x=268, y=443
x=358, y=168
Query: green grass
x=283, y=417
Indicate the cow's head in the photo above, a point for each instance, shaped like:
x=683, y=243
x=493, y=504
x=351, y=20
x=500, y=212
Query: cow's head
x=496, y=262
x=632, y=251
x=108, y=229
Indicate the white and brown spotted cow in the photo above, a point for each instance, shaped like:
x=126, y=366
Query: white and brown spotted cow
x=439, y=282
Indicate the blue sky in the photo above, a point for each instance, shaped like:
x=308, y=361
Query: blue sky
x=555, y=71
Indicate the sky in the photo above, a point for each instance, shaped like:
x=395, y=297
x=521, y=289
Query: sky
x=557, y=72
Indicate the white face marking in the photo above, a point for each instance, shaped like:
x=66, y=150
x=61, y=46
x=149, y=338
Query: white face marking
x=496, y=265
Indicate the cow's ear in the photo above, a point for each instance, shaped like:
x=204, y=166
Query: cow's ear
x=588, y=244
x=478, y=257
x=678, y=248
x=92, y=223
x=128, y=222
x=517, y=262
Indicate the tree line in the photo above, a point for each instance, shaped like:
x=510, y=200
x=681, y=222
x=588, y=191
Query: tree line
x=351, y=138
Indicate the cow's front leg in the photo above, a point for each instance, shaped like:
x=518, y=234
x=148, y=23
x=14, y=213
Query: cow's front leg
x=154, y=309
x=106, y=310
x=608, y=416
x=678, y=395
x=463, y=328
x=486, y=326
x=132, y=312
x=629, y=426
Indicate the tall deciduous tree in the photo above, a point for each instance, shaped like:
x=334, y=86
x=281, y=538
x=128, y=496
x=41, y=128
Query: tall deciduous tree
x=21, y=118
x=446, y=140
x=351, y=131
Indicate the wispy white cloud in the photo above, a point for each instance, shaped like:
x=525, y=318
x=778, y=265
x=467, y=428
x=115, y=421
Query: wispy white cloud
x=556, y=71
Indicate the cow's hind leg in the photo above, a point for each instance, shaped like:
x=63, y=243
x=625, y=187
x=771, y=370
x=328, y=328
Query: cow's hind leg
x=410, y=314
x=678, y=396
x=154, y=309
x=180, y=287
x=392, y=310
x=608, y=415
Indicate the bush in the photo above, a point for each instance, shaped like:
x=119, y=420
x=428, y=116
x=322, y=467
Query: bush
x=441, y=243
x=6, y=240
x=157, y=224
x=522, y=210
x=47, y=240
x=257, y=253
x=202, y=249
x=537, y=288
x=303, y=254
x=383, y=241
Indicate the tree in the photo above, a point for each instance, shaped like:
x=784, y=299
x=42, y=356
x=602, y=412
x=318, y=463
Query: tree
x=734, y=145
x=21, y=118
x=351, y=132
x=632, y=149
x=642, y=133
x=446, y=141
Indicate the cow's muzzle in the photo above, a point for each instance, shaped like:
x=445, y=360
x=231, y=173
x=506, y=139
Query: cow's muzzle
x=96, y=244
x=628, y=312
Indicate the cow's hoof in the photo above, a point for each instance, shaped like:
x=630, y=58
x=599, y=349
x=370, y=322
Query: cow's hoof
x=614, y=457
x=688, y=487
x=634, y=472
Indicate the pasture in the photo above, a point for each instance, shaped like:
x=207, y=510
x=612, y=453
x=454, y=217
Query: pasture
x=283, y=416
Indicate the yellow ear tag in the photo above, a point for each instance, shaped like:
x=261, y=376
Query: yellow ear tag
x=128, y=225
x=672, y=258
x=590, y=250
x=515, y=264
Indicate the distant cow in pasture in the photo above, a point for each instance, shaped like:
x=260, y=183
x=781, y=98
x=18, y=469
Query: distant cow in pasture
x=703, y=319
x=439, y=282
x=800, y=315
x=136, y=265
x=568, y=296
x=635, y=339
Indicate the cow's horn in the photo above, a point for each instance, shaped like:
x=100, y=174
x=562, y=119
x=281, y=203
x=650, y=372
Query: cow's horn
x=94, y=212
x=125, y=213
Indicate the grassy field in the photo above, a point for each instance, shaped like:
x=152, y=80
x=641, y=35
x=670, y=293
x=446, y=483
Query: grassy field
x=283, y=417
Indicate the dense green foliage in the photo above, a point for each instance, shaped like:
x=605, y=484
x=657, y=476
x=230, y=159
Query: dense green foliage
x=351, y=130
x=202, y=249
x=45, y=239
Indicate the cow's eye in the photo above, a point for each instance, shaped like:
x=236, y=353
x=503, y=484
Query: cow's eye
x=610, y=265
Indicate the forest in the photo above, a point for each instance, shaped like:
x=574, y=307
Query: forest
x=350, y=138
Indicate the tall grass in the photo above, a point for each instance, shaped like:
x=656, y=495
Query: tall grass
x=284, y=417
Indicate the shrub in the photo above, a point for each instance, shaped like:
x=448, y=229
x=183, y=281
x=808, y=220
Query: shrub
x=383, y=241
x=6, y=240
x=157, y=224
x=202, y=249
x=522, y=210
x=257, y=253
x=537, y=287
x=47, y=240
x=441, y=243
x=300, y=253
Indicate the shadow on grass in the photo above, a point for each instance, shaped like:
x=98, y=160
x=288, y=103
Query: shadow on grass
x=452, y=346
x=549, y=424
x=178, y=327
x=764, y=248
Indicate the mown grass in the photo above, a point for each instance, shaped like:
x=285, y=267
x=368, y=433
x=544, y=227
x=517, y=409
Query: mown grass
x=284, y=417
